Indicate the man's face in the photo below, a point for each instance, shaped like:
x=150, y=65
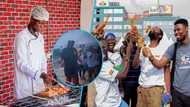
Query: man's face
x=155, y=33
x=111, y=43
x=37, y=25
x=180, y=32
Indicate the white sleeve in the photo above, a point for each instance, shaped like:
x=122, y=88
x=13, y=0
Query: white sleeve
x=108, y=72
x=21, y=58
x=44, y=58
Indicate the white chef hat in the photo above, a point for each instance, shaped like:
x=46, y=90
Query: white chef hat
x=40, y=13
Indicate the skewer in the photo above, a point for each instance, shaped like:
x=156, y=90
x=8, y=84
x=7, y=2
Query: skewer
x=25, y=91
x=39, y=97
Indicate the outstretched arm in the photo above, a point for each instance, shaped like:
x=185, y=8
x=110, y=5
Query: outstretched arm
x=157, y=63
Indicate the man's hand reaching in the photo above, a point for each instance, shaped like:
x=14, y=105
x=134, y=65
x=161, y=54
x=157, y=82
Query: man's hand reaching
x=48, y=81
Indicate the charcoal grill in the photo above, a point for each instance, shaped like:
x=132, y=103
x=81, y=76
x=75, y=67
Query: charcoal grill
x=72, y=97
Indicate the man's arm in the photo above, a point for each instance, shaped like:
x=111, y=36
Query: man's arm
x=125, y=62
x=167, y=77
x=23, y=65
x=123, y=74
x=136, y=60
x=166, y=97
x=157, y=63
x=22, y=60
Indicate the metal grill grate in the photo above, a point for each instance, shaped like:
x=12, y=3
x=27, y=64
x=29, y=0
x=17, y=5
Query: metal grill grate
x=72, y=97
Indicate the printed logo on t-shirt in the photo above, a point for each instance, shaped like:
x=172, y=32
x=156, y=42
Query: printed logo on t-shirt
x=184, y=62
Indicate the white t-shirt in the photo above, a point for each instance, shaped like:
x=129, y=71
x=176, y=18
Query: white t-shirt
x=150, y=75
x=108, y=94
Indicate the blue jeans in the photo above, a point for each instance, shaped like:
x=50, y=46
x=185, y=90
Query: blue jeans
x=123, y=104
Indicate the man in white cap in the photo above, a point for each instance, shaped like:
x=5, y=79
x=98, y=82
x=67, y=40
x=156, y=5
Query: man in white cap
x=30, y=58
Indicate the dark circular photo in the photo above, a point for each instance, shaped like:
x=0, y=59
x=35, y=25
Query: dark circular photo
x=77, y=58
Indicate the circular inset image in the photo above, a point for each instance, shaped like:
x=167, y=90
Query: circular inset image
x=77, y=58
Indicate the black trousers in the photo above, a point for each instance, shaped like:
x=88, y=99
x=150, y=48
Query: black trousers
x=130, y=93
x=180, y=100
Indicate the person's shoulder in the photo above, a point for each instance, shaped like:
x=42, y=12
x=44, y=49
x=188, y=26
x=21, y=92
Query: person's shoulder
x=170, y=49
x=189, y=45
x=22, y=34
x=41, y=36
x=172, y=45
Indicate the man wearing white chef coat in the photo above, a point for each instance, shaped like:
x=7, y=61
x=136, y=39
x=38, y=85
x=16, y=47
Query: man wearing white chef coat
x=30, y=58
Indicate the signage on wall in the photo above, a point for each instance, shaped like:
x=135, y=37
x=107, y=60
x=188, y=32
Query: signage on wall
x=161, y=10
x=146, y=13
x=104, y=3
x=154, y=10
x=166, y=9
x=114, y=4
